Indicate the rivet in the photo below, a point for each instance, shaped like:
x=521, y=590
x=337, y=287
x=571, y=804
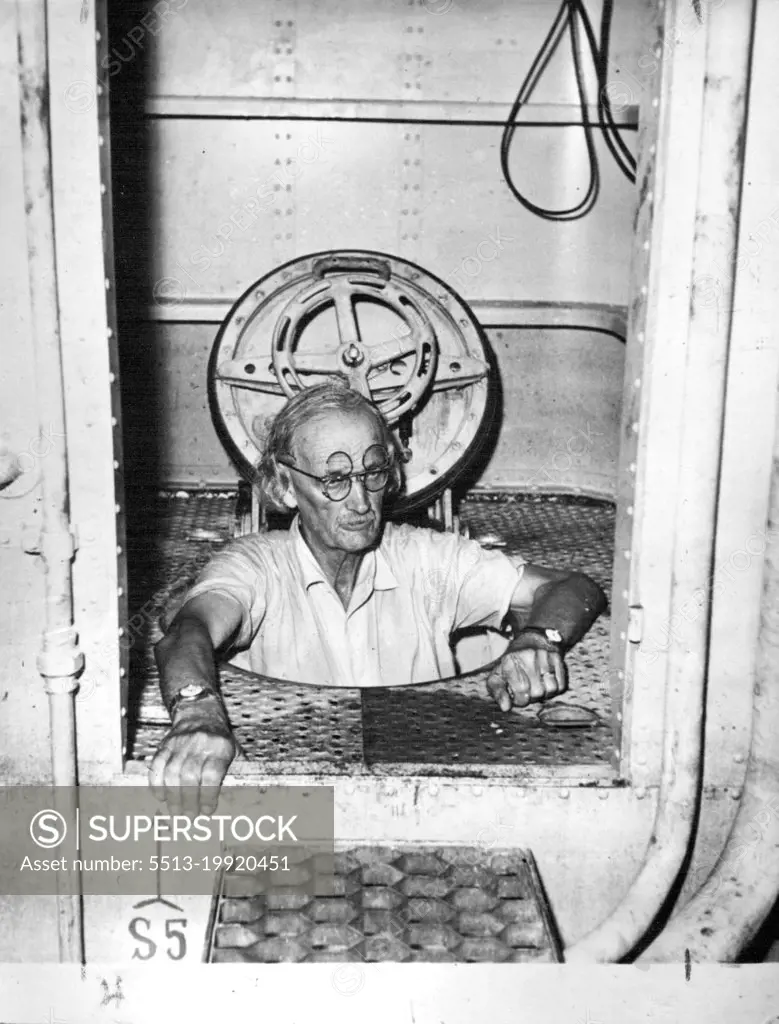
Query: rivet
x=736, y=794
x=118, y=549
x=644, y=290
x=100, y=140
x=118, y=508
x=564, y=794
x=650, y=196
x=114, y=421
x=109, y=333
x=477, y=790
x=626, y=554
x=119, y=591
x=622, y=636
x=632, y=467
x=620, y=673
x=123, y=712
x=116, y=464
x=641, y=759
x=107, y=284
x=124, y=749
x=120, y=631
x=625, y=594
x=646, y=246
x=655, y=102
x=652, y=149
x=103, y=189
x=433, y=789
x=619, y=716
x=738, y=758
x=603, y=794
x=630, y=510
x=640, y=793
x=122, y=674
x=111, y=378
x=637, y=382
x=641, y=337
x=97, y=37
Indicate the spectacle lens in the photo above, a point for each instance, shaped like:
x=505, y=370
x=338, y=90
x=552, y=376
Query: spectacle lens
x=338, y=482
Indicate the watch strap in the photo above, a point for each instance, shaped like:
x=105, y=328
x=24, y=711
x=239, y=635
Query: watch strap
x=548, y=635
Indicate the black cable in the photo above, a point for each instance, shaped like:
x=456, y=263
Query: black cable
x=611, y=136
x=563, y=21
x=602, y=64
x=567, y=17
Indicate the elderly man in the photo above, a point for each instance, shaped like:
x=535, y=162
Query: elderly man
x=343, y=599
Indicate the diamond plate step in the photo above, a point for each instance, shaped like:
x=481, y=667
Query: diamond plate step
x=422, y=904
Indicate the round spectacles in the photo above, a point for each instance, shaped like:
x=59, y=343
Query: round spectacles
x=337, y=483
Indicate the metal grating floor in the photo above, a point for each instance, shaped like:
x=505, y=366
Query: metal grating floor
x=433, y=729
x=423, y=904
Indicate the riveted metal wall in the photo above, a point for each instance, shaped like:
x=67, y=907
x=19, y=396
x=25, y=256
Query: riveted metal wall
x=24, y=719
x=82, y=209
x=246, y=152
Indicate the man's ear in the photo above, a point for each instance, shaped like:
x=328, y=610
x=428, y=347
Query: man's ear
x=287, y=491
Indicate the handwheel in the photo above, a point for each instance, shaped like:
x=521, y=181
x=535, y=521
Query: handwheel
x=400, y=336
x=338, y=283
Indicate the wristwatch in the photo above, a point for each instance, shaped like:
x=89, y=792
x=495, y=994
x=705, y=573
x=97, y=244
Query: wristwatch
x=552, y=636
x=190, y=694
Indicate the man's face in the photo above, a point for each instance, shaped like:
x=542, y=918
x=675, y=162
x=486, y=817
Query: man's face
x=352, y=524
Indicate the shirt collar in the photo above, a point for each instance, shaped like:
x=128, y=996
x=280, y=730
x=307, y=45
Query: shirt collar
x=374, y=571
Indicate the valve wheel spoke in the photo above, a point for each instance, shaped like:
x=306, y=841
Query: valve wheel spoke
x=389, y=351
x=317, y=362
x=247, y=374
x=346, y=317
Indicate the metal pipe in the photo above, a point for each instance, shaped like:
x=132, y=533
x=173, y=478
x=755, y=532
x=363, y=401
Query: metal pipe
x=744, y=884
x=728, y=43
x=59, y=660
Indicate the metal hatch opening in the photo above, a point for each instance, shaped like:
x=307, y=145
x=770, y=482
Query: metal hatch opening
x=448, y=727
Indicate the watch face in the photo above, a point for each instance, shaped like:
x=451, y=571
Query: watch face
x=554, y=636
x=191, y=690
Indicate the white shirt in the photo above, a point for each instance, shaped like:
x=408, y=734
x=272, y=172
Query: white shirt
x=411, y=592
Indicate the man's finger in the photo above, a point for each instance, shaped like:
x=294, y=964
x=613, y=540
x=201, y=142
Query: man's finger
x=534, y=672
x=498, y=690
x=214, y=771
x=547, y=674
x=157, y=770
x=174, y=795
x=559, y=671
x=519, y=681
x=190, y=776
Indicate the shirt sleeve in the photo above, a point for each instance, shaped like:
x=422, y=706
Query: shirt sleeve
x=463, y=584
x=238, y=572
x=485, y=581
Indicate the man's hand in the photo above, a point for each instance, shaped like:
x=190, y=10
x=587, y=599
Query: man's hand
x=192, y=761
x=527, y=672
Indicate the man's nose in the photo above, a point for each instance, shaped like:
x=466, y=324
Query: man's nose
x=358, y=498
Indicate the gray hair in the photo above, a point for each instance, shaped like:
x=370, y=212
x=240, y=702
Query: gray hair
x=333, y=395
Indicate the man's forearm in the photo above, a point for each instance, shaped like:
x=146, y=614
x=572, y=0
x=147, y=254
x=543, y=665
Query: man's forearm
x=570, y=605
x=186, y=655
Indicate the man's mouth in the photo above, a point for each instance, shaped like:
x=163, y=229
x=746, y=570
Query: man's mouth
x=358, y=524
